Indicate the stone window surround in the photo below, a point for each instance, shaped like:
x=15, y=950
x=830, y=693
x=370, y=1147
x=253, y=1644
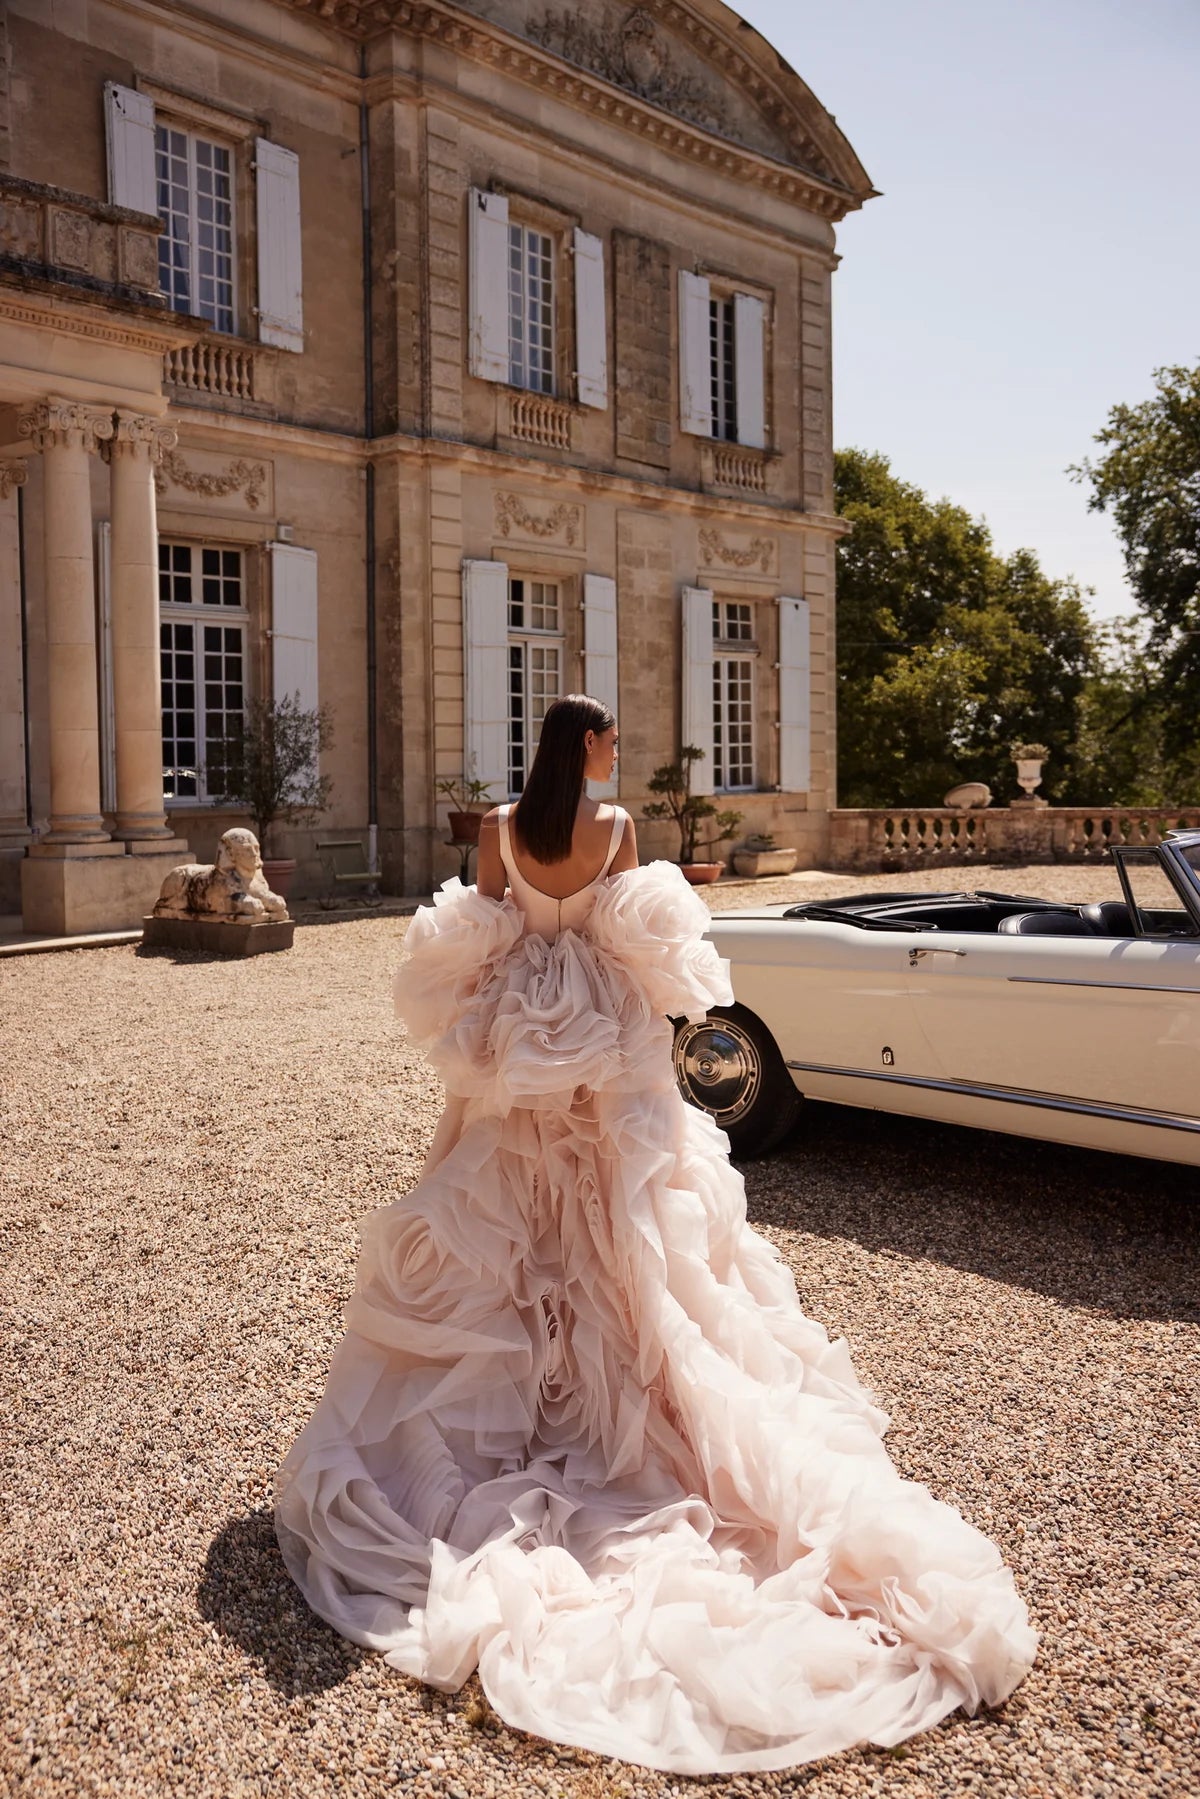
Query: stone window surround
x=237, y=131
x=558, y=223
x=723, y=285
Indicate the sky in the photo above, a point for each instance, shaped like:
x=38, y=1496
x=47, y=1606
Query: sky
x=1035, y=254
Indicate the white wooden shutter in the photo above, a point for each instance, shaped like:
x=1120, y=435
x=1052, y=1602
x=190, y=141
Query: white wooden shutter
x=600, y=654
x=280, y=304
x=591, y=334
x=748, y=315
x=697, y=709
x=129, y=131
x=695, y=355
x=795, y=696
x=294, y=624
x=488, y=285
x=485, y=673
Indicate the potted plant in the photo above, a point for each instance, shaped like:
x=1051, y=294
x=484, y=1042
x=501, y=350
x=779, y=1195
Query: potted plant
x=469, y=800
x=759, y=855
x=691, y=813
x=1029, y=758
x=271, y=770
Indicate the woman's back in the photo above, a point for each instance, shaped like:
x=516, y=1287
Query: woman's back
x=558, y=896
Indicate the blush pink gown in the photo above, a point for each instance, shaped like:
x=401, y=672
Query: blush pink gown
x=579, y=1434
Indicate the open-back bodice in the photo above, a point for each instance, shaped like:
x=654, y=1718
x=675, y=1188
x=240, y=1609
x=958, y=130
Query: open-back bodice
x=546, y=916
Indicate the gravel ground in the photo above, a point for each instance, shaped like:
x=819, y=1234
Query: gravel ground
x=187, y=1146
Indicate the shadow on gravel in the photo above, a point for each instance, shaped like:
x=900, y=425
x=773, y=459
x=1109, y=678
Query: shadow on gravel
x=1115, y=1234
x=247, y=1593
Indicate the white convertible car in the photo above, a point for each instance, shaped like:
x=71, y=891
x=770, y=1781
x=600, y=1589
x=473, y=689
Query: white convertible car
x=1076, y=1023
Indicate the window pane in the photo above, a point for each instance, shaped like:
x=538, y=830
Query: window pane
x=530, y=309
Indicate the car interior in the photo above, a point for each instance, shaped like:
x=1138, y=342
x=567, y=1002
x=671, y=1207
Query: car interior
x=1005, y=914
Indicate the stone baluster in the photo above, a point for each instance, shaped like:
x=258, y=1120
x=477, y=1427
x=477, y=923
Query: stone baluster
x=68, y=434
x=133, y=451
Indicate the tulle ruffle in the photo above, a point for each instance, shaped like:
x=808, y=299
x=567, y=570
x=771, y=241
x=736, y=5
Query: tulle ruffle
x=580, y=1434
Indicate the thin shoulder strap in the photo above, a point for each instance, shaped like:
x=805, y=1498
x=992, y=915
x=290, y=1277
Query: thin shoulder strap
x=505, y=839
x=614, y=842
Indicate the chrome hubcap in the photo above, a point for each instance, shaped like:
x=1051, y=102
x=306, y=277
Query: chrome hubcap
x=718, y=1068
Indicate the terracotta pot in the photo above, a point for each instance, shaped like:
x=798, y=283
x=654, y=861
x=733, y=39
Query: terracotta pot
x=278, y=872
x=701, y=873
x=464, y=826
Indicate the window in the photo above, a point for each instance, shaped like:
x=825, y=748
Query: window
x=722, y=359
x=733, y=695
x=530, y=309
x=535, y=659
x=195, y=204
x=202, y=632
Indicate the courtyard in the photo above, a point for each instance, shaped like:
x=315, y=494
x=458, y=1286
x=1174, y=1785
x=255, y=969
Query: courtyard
x=187, y=1146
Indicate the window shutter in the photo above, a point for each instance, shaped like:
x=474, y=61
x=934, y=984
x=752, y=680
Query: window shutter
x=697, y=706
x=591, y=335
x=600, y=654
x=695, y=355
x=748, y=314
x=129, y=131
x=280, y=306
x=488, y=287
x=294, y=624
x=795, y=696
x=485, y=672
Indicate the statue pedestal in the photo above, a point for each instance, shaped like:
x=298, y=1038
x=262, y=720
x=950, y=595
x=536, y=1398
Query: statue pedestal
x=217, y=936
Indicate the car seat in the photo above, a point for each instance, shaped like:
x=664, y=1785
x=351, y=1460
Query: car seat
x=1109, y=917
x=1045, y=924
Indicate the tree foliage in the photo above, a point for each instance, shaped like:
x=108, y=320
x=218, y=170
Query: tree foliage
x=948, y=653
x=272, y=764
x=1148, y=478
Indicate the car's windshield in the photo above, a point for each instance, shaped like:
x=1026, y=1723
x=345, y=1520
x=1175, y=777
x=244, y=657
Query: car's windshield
x=1159, y=904
x=1191, y=856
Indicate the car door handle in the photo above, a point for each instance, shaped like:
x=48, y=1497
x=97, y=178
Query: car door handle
x=914, y=955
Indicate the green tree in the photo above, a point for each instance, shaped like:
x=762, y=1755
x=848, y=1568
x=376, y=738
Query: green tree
x=947, y=652
x=1148, y=478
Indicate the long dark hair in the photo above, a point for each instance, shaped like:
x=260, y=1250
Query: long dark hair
x=545, y=812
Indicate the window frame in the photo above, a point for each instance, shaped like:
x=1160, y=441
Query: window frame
x=722, y=367
x=524, y=638
x=166, y=124
x=734, y=649
x=552, y=257
x=199, y=613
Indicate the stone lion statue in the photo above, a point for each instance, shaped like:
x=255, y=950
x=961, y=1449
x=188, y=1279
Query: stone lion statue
x=231, y=888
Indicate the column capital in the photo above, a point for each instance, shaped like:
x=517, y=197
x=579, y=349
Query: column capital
x=138, y=434
x=12, y=474
x=55, y=423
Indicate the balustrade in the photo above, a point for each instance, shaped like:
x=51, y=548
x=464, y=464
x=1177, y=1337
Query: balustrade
x=896, y=838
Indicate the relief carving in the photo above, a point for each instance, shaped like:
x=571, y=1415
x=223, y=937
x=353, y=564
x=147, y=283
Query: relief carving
x=633, y=55
x=715, y=548
x=240, y=476
x=70, y=239
x=20, y=230
x=12, y=474
x=561, y=523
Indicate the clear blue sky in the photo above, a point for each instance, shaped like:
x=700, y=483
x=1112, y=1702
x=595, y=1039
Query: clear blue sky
x=1035, y=254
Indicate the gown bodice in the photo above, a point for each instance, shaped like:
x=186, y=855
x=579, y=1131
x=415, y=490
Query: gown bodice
x=546, y=916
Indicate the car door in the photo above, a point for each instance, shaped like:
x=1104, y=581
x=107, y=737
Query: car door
x=1112, y=1021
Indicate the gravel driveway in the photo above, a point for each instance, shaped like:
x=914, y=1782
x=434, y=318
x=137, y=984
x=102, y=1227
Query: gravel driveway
x=187, y=1146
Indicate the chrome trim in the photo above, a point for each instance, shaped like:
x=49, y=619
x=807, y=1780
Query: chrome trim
x=1050, y=980
x=1016, y=1096
x=914, y=955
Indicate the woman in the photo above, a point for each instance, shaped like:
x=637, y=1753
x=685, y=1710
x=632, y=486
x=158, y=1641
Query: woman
x=579, y=1433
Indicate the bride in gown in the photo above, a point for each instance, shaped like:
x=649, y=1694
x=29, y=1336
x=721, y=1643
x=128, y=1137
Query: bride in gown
x=579, y=1433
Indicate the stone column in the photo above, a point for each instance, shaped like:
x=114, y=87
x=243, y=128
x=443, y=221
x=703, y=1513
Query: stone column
x=14, y=833
x=67, y=434
x=133, y=451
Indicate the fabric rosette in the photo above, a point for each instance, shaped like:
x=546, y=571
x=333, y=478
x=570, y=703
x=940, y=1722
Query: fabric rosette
x=651, y=924
x=453, y=945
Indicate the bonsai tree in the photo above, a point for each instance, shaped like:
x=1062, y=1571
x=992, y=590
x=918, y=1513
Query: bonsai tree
x=700, y=823
x=271, y=766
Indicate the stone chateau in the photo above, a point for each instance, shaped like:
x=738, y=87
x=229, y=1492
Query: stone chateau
x=422, y=360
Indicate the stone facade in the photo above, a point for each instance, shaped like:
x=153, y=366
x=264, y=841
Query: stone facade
x=329, y=463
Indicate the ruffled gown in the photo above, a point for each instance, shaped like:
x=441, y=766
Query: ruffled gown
x=579, y=1433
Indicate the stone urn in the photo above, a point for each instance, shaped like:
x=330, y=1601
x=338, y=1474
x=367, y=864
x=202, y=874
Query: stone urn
x=1029, y=758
